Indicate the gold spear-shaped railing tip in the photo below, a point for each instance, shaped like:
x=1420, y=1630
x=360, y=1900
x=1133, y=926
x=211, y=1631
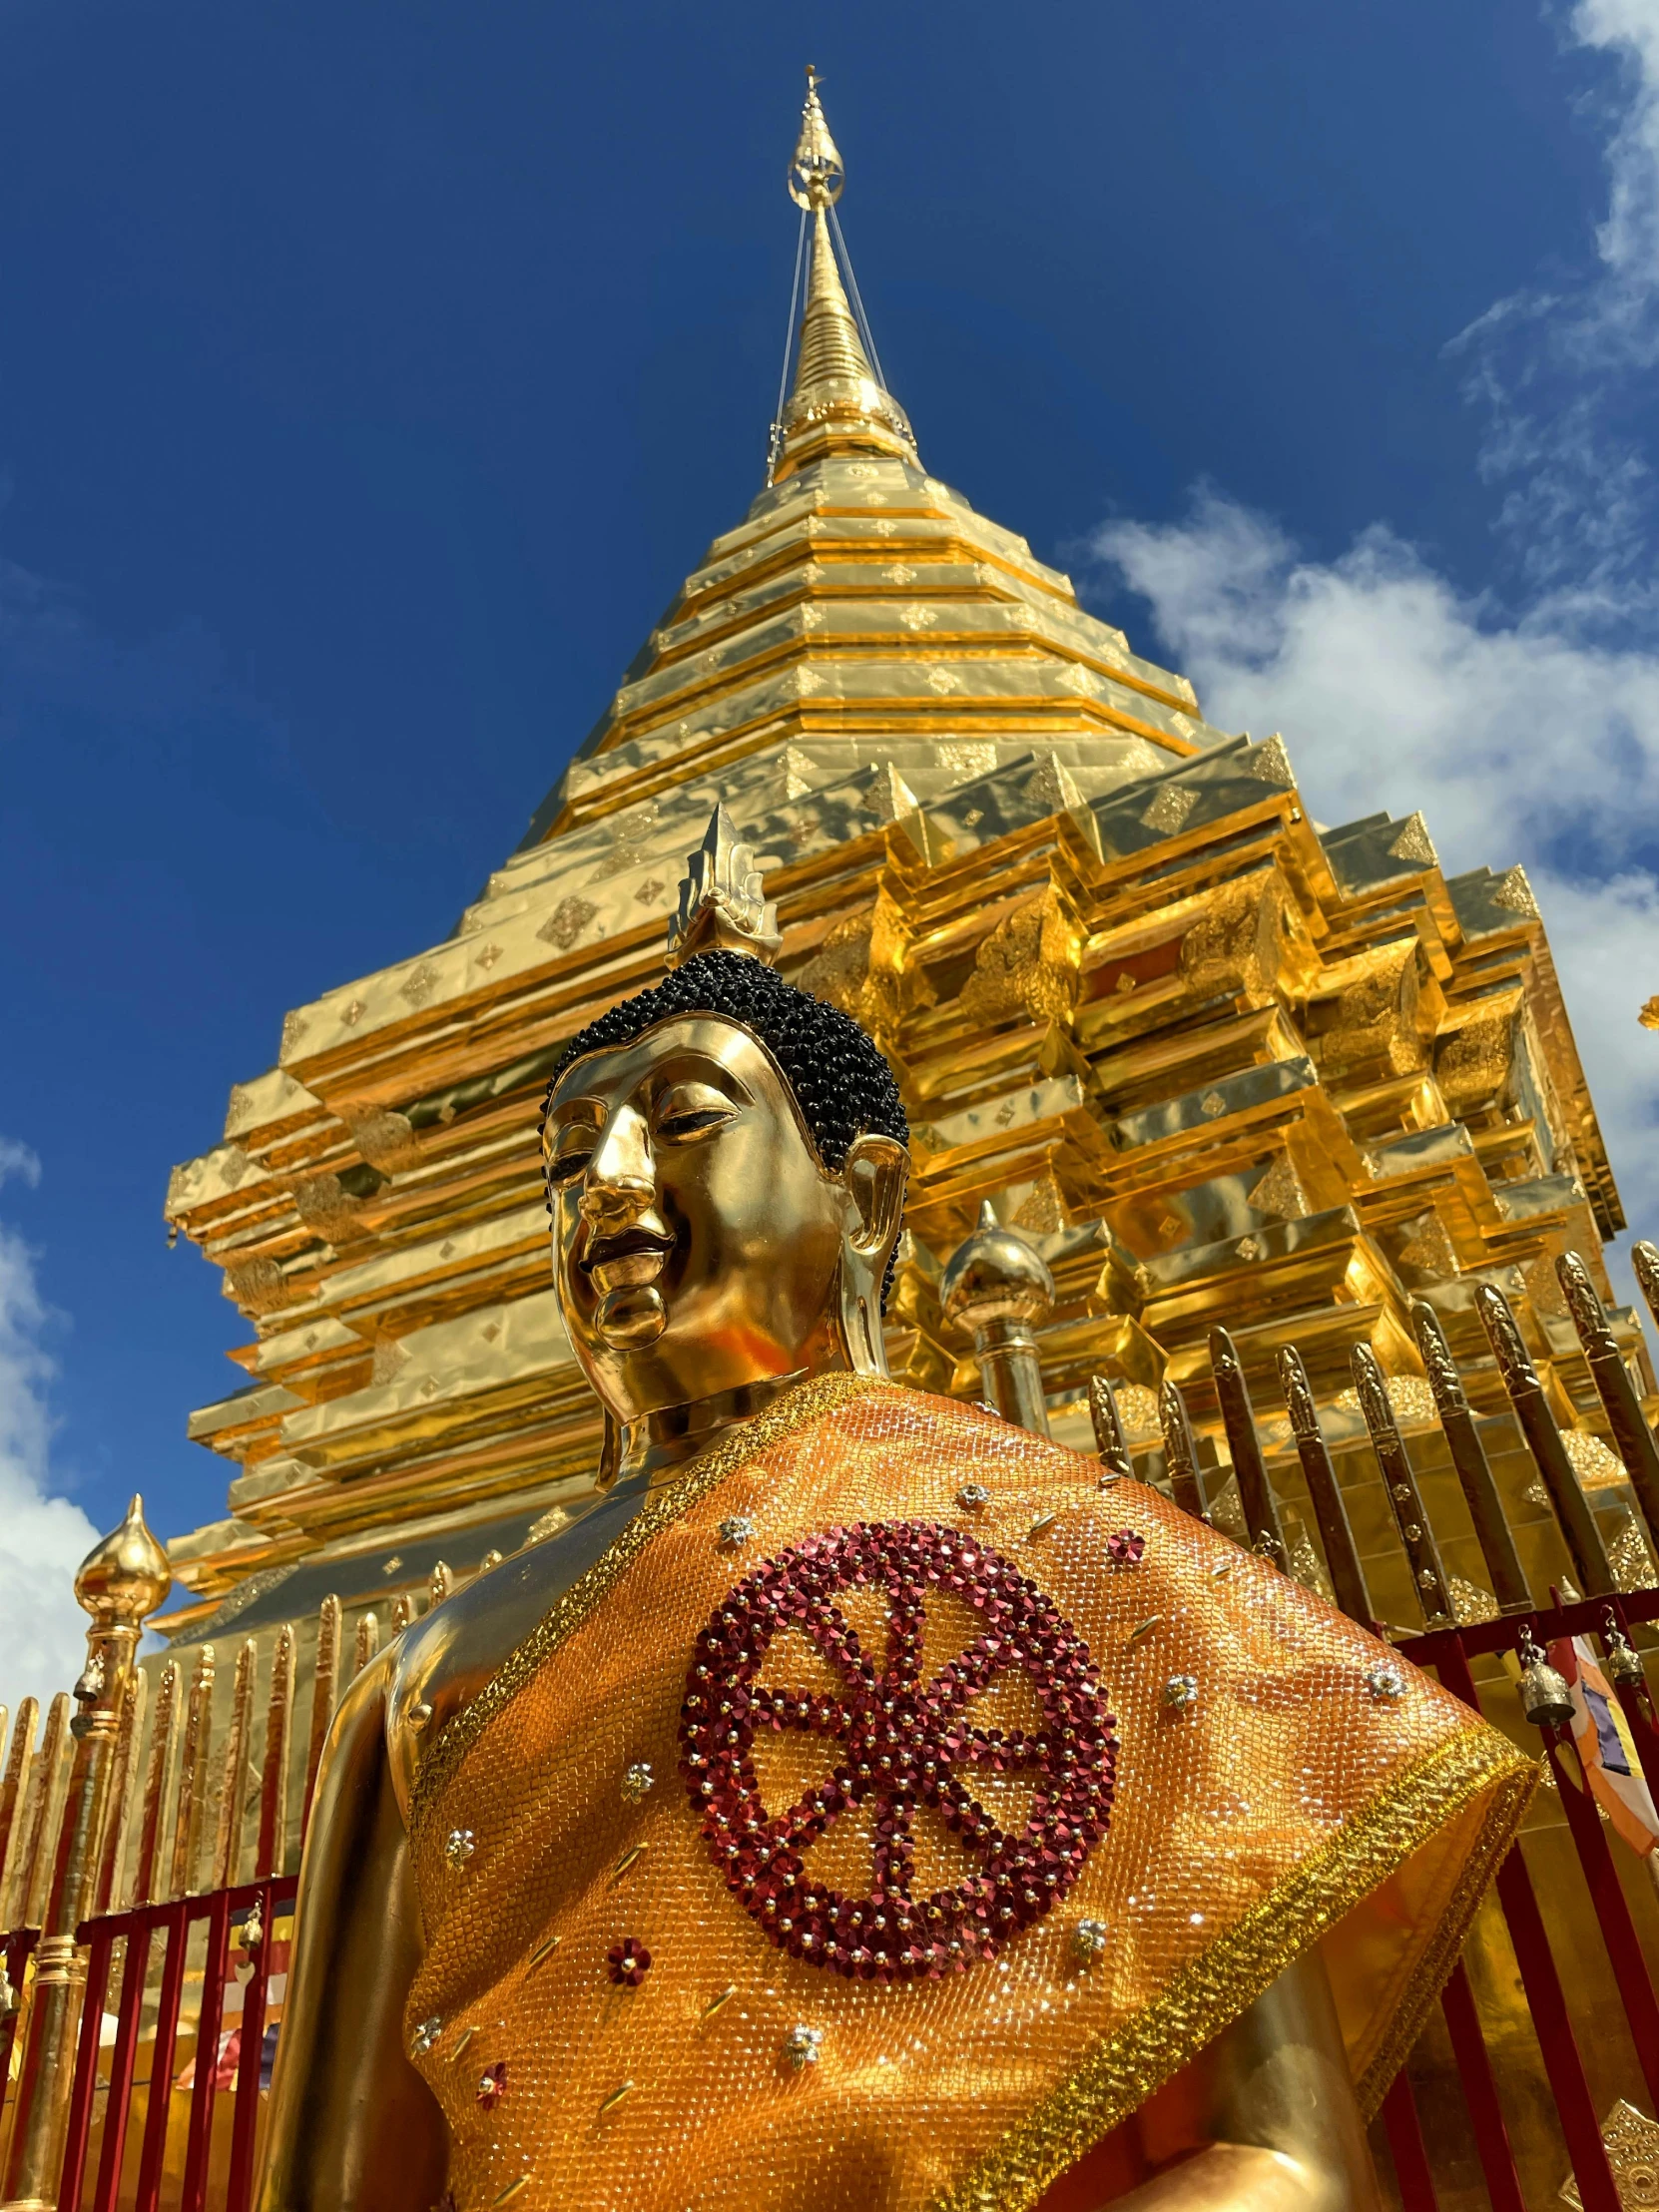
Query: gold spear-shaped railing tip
x=1180, y=1450
x=1109, y=1439
x=1341, y=1556
x=1238, y=1415
x=1632, y=1437
x=1543, y=1440
x=1400, y=1481
x=1468, y=1458
x=1589, y=1316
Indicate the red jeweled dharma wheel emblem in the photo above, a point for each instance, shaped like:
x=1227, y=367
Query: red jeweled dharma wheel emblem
x=901, y=1744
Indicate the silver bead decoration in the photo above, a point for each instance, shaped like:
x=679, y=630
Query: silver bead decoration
x=1385, y=1683
x=972, y=1495
x=802, y=2044
x=638, y=1782
x=1088, y=1939
x=424, y=2036
x=459, y=1845
x=737, y=1528
x=1181, y=1692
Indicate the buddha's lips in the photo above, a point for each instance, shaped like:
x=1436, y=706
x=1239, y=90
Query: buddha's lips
x=623, y=1251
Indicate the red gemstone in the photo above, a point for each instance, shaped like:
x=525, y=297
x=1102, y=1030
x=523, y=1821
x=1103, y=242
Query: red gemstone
x=492, y=2085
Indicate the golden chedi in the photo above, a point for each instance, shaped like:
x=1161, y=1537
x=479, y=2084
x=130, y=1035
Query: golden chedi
x=857, y=1802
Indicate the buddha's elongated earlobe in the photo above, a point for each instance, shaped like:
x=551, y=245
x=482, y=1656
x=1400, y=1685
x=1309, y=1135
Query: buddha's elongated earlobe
x=610, y=1453
x=874, y=1173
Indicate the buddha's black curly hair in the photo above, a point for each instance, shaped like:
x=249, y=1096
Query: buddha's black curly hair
x=842, y=1083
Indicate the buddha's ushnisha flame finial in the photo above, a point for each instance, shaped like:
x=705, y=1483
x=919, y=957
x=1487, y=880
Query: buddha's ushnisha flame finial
x=839, y=403
x=723, y=903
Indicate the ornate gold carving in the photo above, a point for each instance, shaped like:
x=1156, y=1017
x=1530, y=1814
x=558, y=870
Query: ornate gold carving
x=1042, y=1211
x=1472, y=1064
x=259, y=1285
x=1429, y=1248
x=1029, y=961
x=1415, y=843
x=1632, y=2144
x=1630, y=1558
x=1280, y=1192
x=965, y=760
x=567, y=921
x=1515, y=892
x=1170, y=807
x=386, y=1139
x=324, y=1205
x=1270, y=763
x=419, y=987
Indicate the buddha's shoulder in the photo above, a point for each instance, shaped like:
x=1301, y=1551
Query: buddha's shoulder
x=444, y=1660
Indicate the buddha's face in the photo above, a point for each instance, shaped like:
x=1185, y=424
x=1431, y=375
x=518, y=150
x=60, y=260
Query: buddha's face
x=700, y=1244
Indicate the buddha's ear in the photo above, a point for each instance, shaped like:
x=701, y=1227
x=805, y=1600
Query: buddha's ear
x=875, y=1172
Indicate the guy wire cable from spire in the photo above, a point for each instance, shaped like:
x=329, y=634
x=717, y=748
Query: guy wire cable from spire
x=865, y=331
x=775, y=435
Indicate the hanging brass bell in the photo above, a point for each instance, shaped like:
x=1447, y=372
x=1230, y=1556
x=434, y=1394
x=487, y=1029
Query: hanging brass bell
x=1545, y=1698
x=1622, y=1664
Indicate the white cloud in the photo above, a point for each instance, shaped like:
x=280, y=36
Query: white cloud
x=1526, y=731
x=1559, y=371
x=43, y=1538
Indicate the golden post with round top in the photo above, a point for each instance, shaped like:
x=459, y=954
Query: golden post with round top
x=998, y=1288
x=120, y=1582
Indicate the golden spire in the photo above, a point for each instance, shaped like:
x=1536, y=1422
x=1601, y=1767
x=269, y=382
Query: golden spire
x=838, y=404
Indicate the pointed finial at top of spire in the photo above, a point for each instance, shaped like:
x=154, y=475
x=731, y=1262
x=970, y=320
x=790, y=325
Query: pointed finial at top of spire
x=815, y=174
x=839, y=404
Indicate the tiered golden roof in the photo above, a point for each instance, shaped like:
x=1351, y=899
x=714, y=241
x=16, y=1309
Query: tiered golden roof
x=1220, y=1064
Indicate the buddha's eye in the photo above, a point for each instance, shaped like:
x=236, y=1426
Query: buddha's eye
x=569, y=1151
x=686, y=1111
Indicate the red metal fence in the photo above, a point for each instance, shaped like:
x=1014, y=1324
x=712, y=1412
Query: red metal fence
x=131, y=2166
x=147, y=2131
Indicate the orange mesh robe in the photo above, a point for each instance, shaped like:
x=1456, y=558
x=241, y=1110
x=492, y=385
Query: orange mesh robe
x=980, y=1798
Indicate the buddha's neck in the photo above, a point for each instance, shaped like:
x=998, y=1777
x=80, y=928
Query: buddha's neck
x=662, y=1445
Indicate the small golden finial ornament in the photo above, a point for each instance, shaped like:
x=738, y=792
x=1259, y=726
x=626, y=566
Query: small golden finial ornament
x=1649, y=1015
x=817, y=174
x=723, y=903
x=125, y=1576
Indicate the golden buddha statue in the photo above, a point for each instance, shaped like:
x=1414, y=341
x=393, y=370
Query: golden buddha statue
x=860, y=1802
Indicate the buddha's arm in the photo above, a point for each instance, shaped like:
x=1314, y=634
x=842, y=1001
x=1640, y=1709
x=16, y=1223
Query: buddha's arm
x=1272, y=2103
x=352, y=2128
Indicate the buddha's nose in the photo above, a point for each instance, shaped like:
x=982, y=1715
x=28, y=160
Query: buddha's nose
x=619, y=1184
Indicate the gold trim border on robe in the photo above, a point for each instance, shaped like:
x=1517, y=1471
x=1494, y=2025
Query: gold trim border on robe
x=1388, y=1888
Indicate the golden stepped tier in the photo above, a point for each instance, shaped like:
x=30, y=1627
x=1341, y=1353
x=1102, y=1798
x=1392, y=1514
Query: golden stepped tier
x=1217, y=1063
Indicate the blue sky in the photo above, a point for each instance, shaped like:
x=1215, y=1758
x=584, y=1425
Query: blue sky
x=369, y=375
